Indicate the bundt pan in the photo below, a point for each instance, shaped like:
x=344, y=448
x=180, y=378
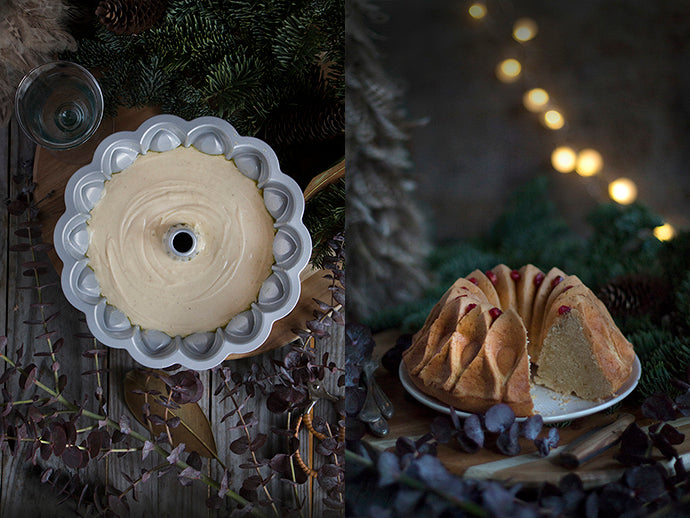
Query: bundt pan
x=279, y=293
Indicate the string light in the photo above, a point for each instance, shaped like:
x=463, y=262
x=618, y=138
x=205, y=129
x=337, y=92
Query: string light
x=623, y=191
x=524, y=29
x=535, y=99
x=508, y=70
x=477, y=11
x=589, y=162
x=553, y=119
x=664, y=232
x=563, y=159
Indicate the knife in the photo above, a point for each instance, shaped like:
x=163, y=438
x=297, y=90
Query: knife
x=593, y=443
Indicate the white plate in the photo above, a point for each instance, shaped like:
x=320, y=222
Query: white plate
x=552, y=406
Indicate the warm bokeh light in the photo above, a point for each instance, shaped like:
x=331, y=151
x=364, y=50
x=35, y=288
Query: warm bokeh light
x=563, y=159
x=623, y=191
x=508, y=70
x=589, y=162
x=524, y=29
x=553, y=119
x=535, y=99
x=477, y=11
x=664, y=232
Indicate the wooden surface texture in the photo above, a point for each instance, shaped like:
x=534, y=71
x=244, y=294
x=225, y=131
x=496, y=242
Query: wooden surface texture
x=21, y=491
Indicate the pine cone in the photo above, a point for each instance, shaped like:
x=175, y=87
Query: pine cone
x=130, y=16
x=636, y=295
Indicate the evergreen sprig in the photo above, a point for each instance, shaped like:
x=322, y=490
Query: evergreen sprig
x=322, y=226
x=239, y=58
x=254, y=64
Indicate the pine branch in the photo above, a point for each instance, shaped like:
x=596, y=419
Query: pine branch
x=324, y=217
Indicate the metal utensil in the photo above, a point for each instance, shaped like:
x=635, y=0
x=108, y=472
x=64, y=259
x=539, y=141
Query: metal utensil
x=370, y=411
x=382, y=400
x=379, y=427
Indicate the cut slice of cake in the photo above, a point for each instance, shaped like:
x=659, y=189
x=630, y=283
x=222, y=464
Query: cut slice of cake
x=583, y=352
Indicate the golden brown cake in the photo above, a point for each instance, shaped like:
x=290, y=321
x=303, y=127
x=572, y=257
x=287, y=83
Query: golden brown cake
x=477, y=344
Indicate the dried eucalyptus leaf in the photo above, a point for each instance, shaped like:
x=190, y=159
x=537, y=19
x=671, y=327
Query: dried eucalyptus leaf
x=194, y=429
x=240, y=446
x=46, y=475
x=72, y=457
x=147, y=448
x=95, y=441
x=174, y=456
x=194, y=460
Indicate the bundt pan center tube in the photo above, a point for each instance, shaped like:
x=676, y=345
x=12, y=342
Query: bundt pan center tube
x=182, y=242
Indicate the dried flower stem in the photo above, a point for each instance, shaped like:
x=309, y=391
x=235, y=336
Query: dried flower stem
x=41, y=306
x=165, y=418
x=99, y=392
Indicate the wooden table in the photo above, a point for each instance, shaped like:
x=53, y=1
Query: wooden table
x=21, y=491
x=412, y=419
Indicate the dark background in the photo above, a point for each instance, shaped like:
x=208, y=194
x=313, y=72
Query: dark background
x=618, y=69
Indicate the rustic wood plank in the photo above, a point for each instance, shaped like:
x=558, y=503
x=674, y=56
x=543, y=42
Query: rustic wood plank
x=163, y=496
x=4, y=238
x=335, y=346
x=17, y=474
x=4, y=244
x=175, y=499
x=66, y=326
x=119, y=363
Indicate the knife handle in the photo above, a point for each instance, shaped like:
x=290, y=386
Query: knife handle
x=590, y=445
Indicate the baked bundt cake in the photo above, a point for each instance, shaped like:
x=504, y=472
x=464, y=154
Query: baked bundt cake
x=477, y=344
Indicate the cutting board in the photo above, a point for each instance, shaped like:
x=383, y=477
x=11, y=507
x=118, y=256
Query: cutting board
x=412, y=419
x=530, y=469
x=52, y=170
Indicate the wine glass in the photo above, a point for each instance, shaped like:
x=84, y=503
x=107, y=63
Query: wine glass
x=59, y=105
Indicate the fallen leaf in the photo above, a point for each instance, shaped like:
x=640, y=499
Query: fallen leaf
x=194, y=429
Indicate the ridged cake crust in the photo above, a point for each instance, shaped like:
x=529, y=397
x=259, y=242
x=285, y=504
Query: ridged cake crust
x=476, y=346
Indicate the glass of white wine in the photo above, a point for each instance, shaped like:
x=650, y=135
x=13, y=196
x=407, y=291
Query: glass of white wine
x=59, y=105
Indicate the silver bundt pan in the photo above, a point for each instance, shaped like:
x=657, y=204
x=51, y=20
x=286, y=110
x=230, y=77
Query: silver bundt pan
x=279, y=294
